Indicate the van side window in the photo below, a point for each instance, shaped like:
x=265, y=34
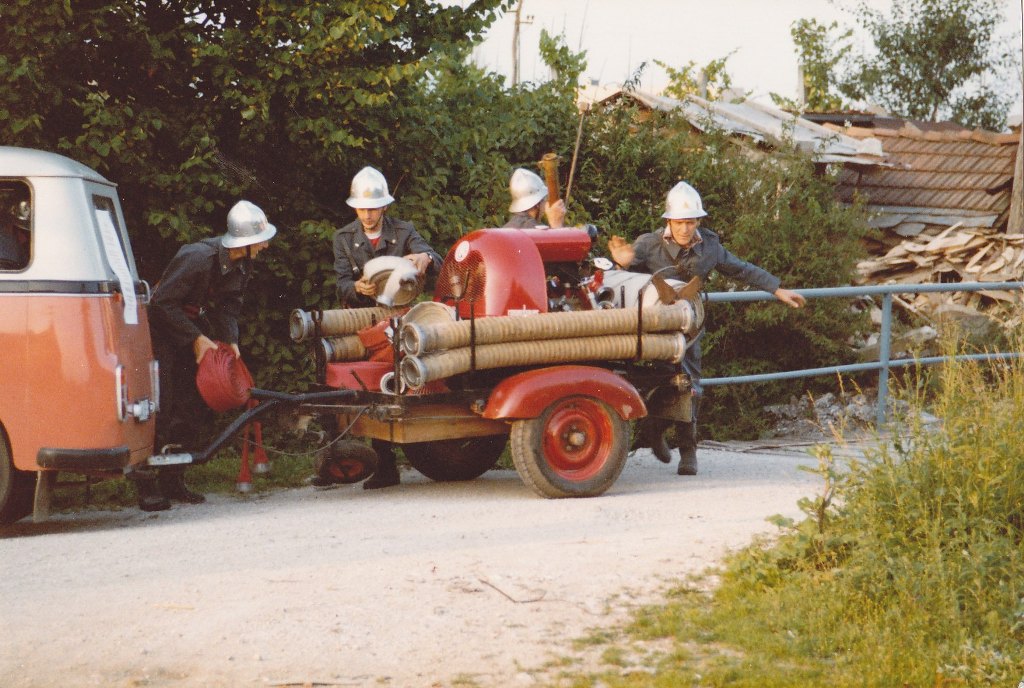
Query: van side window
x=15, y=225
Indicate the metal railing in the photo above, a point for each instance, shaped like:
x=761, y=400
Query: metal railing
x=884, y=362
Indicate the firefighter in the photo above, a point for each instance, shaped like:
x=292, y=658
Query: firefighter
x=529, y=196
x=373, y=233
x=683, y=250
x=196, y=303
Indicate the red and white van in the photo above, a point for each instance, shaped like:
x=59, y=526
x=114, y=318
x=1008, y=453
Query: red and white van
x=78, y=382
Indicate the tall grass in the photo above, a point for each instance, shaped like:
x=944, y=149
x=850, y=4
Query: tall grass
x=909, y=569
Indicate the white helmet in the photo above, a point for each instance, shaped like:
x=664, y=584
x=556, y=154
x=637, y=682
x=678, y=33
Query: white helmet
x=369, y=190
x=247, y=225
x=527, y=190
x=683, y=203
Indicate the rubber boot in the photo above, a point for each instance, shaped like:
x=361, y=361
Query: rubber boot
x=652, y=434
x=172, y=483
x=386, y=474
x=686, y=437
x=148, y=491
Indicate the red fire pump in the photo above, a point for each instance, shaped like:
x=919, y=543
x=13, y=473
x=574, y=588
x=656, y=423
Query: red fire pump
x=525, y=345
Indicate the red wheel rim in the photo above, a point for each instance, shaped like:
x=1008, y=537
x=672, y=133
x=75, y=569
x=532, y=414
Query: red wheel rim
x=577, y=438
x=347, y=470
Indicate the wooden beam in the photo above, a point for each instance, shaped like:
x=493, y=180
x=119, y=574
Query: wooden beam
x=1015, y=222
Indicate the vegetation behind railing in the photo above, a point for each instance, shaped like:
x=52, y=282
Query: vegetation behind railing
x=907, y=569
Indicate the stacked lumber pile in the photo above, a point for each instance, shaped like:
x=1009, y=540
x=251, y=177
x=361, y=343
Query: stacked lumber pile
x=954, y=254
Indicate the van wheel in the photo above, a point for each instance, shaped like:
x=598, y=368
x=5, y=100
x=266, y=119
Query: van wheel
x=576, y=448
x=455, y=460
x=16, y=486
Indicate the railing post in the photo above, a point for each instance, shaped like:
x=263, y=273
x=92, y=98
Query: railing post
x=884, y=351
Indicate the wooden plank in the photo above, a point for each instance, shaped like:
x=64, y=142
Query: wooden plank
x=1001, y=295
x=424, y=423
x=970, y=245
x=944, y=233
x=941, y=243
x=973, y=262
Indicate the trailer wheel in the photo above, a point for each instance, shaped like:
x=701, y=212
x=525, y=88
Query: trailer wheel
x=455, y=460
x=575, y=448
x=345, y=462
x=15, y=486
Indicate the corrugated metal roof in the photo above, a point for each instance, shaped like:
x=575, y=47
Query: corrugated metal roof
x=935, y=173
x=757, y=121
x=938, y=175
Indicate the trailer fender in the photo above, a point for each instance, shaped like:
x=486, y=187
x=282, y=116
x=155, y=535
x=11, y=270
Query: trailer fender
x=526, y=395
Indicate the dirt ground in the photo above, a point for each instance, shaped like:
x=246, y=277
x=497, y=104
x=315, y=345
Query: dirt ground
x=426, y=584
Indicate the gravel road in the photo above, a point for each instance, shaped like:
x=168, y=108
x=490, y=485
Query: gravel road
x=426, y=584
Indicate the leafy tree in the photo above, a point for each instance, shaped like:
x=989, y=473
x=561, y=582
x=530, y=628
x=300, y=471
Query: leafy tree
x=820, y=53
x=709, y=81
x=192, y=105
x=463, y=133
x=935, y=59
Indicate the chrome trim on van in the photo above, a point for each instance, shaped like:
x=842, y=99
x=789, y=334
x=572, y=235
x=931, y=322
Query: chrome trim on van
x=121, y=393
x=154, y=384
x=68, y=287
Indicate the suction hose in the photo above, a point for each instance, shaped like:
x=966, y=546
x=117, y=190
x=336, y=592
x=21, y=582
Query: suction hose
x=419, y=370
x=347, y=348
x=338, y=321
x=419, y=338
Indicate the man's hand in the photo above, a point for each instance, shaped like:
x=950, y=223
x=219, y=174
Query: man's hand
x=200, y=345
x=420, y=260
x=621, y=250
x=365, y=287
x=555, y=213
x=790, y=298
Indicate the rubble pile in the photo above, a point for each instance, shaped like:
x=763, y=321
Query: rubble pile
x=954, y=254
x=849, y=416
x=823, y=417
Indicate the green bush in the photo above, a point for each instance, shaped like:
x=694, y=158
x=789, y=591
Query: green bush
x=910, y=569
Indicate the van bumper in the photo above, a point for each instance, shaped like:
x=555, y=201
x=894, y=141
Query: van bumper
x=81, y=460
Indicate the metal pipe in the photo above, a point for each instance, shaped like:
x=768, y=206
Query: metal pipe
x=851, y=368
x=884, y=344
x=871, y=290
x=884, y=362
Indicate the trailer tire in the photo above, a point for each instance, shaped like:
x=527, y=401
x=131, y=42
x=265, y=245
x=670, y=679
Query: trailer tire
x=16, y=488
x=344, y=462
x=455, y=460
x=575, y=448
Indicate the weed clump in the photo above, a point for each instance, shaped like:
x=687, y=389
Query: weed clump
x=909, y=568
